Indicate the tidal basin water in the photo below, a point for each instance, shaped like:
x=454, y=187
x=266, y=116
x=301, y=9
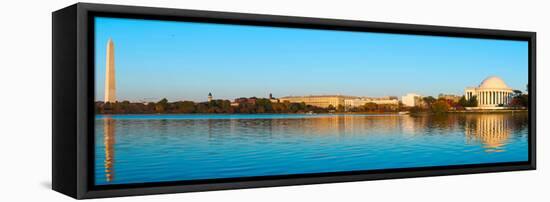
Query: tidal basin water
x=159, y=148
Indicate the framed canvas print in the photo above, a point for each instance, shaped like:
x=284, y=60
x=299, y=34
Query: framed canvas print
x=154, y=100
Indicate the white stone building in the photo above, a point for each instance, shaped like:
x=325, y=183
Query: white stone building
x=491, y=93
x=356, y=102
x=411, y=100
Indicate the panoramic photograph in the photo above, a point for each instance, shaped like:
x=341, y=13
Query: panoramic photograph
x=183, y=101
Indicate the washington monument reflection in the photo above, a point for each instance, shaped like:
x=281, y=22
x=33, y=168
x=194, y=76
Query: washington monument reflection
x=109, y=126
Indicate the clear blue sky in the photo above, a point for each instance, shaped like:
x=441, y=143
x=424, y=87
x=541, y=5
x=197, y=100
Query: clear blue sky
x=186, y=61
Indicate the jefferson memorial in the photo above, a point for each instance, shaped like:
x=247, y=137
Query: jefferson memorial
x=492, y=93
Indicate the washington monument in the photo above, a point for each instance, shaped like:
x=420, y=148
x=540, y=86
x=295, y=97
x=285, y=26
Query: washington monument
x=110, y=89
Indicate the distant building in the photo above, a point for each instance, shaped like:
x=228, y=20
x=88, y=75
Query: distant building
x=491, y=93
x=251, y=100
x=323, y=101
x=209, y=97
x=411, y=100
x=272, y=99
x=387, y=100
x=454, y=98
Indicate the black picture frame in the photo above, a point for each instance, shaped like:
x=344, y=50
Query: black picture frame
x=73, y=98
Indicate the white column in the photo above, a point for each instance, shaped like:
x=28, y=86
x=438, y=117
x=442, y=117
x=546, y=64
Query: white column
x=505, y=98
x=485, y=95
x=492, y=100
x=488, y=98
x=482, y=98
x=497, y=100
x=491, y=97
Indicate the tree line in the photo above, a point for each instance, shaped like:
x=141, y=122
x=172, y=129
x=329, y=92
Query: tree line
x=264, y=105
x=261, y=105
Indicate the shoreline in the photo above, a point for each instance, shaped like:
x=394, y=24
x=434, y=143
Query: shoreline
x=486, y=111
x=345, y=113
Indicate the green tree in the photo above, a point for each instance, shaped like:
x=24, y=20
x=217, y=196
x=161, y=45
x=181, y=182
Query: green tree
x=161, y=106
x=186, y=107
x=463, y=102
x=264, y=105
x=294, y=107
x=415, y=109
x=473, y=101
x=519, y=99
x=370, y=106
x=341, y=108
x=302, y=106
x=428, y=101
x=440, y=106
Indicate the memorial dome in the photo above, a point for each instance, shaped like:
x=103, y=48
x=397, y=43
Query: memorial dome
x=493, y=82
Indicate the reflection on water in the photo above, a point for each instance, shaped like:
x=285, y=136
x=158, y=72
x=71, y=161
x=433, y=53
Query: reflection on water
x=109, y=126
x=153, y=148
x=492, y=130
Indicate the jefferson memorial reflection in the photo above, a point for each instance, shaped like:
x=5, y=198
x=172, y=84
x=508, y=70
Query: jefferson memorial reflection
x=492, y=130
